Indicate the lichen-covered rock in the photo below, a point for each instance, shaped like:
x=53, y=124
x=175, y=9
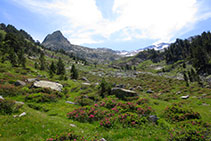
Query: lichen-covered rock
x=121, y=93
x=48, y=84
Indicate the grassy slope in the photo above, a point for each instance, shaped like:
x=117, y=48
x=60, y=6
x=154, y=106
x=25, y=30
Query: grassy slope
x=40, y=125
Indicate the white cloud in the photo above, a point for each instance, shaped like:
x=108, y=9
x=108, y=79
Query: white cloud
x=159, y=20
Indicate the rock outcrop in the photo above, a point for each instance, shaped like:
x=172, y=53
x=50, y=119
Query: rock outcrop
x=122, y=93
x=48, y=84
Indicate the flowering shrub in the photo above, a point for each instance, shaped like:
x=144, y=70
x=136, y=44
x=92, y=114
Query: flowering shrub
x=109, y=102
x=131, y=119
x=8, y=106
x=8, y=90
x=142, y=101
x=107, y=122
x=176, y=113
x=87, y=113
x=145, y=111
x=191, y=131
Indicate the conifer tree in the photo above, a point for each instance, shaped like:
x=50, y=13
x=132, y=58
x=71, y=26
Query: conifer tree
x=42, y=61
x=74, y=72
x=60, y=67
x=52, y=67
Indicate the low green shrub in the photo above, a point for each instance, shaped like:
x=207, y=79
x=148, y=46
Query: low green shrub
x=37, y=107
x=131, y=119
x=9, y=90
x=84, y=101
x=41, y=97
x=194, y=130
x=176, y=113
x=9, y=106
x=67, y=136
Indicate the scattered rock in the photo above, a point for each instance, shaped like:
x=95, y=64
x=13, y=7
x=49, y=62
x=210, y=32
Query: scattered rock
x=84, y=79
x=205, y=104
x=102, y=139
x=20, y=83
x=22, y=114
x=139, y=88
x=203, y=95
x=185, y=97
x=70, y=102
x=48, y=84
x=96, y=84
x=1, y=97
x=19, y=102
x=119, y=92
x=86, y=84
x=72, y=125
x=179, y=92
x=150, y=91
x=30, y=80
x=153, y=118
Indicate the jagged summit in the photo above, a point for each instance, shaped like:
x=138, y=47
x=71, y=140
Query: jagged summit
x=56, y=41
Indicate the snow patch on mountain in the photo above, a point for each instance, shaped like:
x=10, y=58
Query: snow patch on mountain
x=160, y=46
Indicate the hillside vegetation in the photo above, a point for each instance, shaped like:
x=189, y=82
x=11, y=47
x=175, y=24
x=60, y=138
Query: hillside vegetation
x=97, y=102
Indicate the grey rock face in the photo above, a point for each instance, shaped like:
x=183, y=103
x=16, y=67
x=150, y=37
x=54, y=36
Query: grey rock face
x=20, y=83
x=48, y=84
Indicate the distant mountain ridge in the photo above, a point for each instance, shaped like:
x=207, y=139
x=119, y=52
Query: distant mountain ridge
x=160, y=46
x=57, y=41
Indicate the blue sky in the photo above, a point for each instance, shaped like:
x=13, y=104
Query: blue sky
x=116, y=24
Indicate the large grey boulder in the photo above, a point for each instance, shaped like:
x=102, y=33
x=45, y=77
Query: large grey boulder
x=20, y=83
x=121, y=93
x=48, y=84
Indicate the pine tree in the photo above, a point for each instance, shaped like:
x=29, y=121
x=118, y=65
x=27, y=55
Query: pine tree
x=42, y=61
x=52, y=67
x=74, y=72
x=60, y=67
x=103, y=88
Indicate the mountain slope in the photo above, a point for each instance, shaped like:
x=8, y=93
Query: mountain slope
x=56, y=41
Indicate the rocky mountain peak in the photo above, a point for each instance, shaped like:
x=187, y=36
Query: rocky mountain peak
x=56, y=41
